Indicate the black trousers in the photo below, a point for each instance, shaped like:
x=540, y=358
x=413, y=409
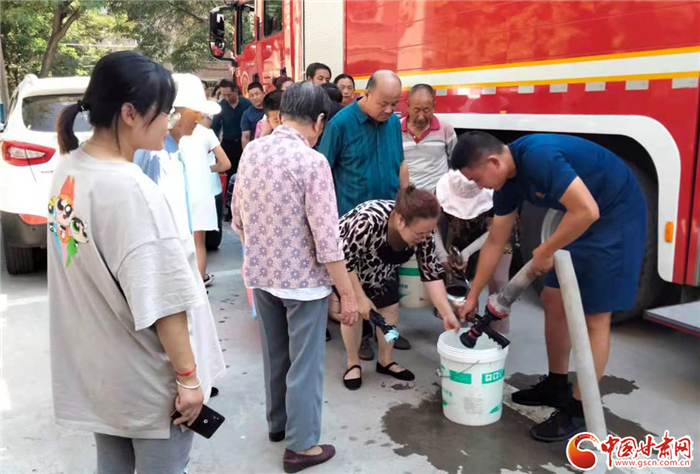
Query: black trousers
x=233, y=150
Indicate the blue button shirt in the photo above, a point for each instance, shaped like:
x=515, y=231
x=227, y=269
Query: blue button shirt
x=149, y=162
x=365, y=156
x=250, y=119
x=546, y=164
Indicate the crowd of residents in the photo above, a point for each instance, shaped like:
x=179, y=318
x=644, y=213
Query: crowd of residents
x=330, y=191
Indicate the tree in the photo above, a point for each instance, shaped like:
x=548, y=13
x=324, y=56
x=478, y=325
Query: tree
x=67, y=37
x=171, y=31
x=64, y=15
x=34, y=33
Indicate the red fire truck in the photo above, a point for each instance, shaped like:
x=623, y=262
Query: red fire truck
x=621, y=73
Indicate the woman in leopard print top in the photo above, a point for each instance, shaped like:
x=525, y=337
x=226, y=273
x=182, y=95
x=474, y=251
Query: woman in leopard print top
x=378, y=237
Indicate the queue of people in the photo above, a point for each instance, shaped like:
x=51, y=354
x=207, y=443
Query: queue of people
x=329, y=193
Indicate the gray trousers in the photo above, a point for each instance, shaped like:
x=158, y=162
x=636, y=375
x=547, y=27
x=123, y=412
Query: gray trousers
x=293, y=335
x=117, y=455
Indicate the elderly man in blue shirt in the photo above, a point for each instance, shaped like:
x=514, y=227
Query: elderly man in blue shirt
x=364, y=147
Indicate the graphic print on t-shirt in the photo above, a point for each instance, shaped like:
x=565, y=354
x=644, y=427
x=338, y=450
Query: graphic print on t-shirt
x=67, y=229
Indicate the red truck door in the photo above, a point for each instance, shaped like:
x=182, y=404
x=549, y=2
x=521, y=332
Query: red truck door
x=271, y=42
x=246, y=44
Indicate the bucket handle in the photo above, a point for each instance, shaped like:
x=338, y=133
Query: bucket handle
x=441, y=375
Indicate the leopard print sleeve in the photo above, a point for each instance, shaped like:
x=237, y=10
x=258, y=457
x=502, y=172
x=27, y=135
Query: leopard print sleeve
x=355, y=232
x=429, y=266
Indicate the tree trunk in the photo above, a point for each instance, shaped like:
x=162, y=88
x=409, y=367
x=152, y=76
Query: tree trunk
x=59, y=29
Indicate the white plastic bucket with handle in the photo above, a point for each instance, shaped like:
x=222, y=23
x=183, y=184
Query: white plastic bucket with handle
x=472, y=379
x=412, y=292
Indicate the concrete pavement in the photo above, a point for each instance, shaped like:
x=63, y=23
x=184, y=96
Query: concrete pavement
x=652, y=385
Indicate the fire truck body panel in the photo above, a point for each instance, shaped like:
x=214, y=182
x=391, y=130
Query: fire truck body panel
x=598, y=68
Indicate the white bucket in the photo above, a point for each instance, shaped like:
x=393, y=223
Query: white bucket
x=411, y=289
x=472, y=379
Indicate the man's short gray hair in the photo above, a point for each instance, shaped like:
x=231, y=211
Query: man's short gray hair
x=303, y=102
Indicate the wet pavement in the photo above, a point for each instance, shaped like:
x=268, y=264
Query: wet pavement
x=652, y=384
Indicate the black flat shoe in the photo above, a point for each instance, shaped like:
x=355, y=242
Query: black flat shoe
x=214, y=392
x=353, y=384
x=277, y=436
x=328, y=335
x=405, y=374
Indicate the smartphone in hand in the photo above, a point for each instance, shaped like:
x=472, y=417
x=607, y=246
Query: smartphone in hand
x=206, y=423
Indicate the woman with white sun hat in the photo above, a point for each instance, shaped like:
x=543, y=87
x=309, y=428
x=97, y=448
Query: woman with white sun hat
x=167, y=167
x=467, y=212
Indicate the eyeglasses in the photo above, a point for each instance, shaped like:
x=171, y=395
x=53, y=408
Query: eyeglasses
x=419, y=236
x=173, y=117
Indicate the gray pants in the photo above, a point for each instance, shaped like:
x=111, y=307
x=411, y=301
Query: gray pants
x=117, y=455
x=293, y=335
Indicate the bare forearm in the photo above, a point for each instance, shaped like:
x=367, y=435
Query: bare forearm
x=340, y=277
x=223, y=164
x=489, y=257
x=239, y=232
x=356, y=285
x=404, y=179
x=245, y=139
x=175, y=337
x=438, y=295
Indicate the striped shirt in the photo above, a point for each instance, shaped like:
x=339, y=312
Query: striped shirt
x=365, y=156
x=427, y=156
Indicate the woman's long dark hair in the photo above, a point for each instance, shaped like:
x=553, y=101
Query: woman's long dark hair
x=118, y=78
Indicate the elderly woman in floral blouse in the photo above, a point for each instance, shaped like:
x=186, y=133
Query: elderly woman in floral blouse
x=284, y=209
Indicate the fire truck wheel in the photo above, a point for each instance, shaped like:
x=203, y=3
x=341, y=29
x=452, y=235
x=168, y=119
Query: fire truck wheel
x=650, y=284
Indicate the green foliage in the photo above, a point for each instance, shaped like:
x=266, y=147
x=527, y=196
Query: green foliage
x=25, y=27
x=167, y=31
x=171, y=30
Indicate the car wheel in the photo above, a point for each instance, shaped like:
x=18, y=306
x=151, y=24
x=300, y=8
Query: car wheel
x=18, y=260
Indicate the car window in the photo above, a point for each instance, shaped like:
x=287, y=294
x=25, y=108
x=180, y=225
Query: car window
x=39, y=113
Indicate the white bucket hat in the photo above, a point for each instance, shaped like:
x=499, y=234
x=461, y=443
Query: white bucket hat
x=461, y=197
x=190, y=94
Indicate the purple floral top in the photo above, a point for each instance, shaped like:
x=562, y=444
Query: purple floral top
x=284, y=204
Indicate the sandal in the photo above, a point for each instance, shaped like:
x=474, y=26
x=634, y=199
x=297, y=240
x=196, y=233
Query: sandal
x=208, y=279
x=353, y=384
x=405, y=374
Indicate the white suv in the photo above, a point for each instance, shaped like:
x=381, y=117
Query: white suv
x=29, y=150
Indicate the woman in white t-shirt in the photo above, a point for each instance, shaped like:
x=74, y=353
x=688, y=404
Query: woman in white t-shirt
x=132, y=336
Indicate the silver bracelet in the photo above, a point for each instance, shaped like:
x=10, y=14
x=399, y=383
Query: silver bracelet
x=190, y=387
